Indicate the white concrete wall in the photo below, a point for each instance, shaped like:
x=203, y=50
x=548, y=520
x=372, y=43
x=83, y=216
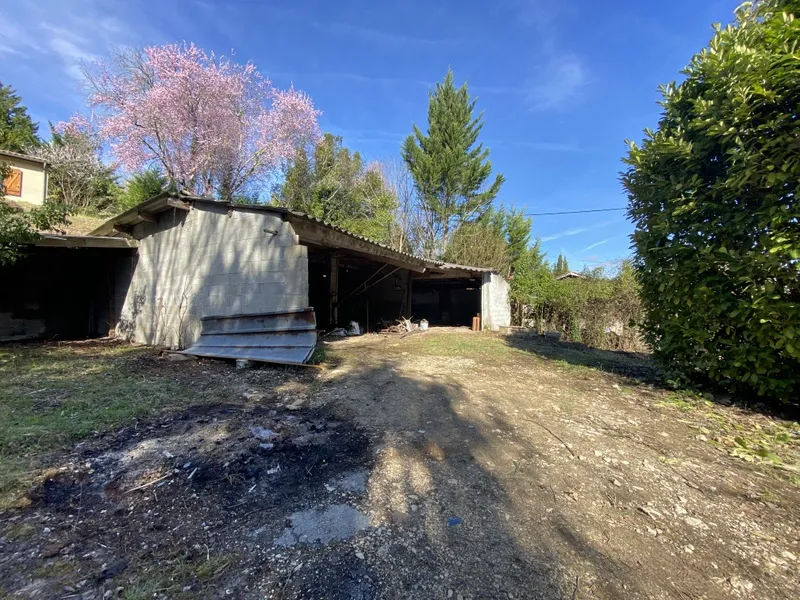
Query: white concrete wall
x=495, y=304
x=34, y=180
x=209, y=262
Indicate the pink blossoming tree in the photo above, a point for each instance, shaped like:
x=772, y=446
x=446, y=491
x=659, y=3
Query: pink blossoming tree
x=212, y=126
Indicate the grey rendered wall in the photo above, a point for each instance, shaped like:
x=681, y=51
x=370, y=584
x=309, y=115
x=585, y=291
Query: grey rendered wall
x=495, y=304
x=208, y=262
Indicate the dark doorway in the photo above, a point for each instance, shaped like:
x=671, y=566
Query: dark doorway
x=446, y=301
x=344, y=287
x=64, y=293
x=319, y=270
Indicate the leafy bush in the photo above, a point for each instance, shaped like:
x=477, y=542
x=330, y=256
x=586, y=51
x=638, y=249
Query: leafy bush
x=597, y=310
x=19, y=227
x=713, y=197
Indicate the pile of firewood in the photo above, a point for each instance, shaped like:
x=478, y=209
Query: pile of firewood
x=403, y=326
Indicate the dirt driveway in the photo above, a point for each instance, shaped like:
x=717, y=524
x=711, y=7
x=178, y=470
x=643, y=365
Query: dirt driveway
x=442, y=465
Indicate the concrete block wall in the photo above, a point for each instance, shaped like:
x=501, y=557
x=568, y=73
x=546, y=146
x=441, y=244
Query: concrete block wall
x=210, y=261
x=495, y=303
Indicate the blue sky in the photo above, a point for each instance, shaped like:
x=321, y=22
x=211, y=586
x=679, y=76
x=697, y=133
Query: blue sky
x=561, y=84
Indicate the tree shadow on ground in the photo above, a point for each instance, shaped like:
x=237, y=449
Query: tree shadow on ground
x=470, y=511
x=635, y=365
x=640, y=368
x=444, y=516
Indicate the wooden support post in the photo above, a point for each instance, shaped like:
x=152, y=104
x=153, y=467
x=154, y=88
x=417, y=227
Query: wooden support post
x=409, y=282
x=334, y=291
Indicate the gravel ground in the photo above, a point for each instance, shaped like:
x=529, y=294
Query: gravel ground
x=443, y=465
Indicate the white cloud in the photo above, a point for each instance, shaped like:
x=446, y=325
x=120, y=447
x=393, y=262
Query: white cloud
x=557, y=83
x=367, y=136
x=540, y=146
x=595, y=245
x=9, y=50
x=65, y=34
x=538, y=14
x=558, y=75
x=71, y=55
x=566, y=233
x=16, y=38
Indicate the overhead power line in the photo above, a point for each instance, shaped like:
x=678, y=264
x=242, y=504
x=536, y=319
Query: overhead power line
x=573, y=212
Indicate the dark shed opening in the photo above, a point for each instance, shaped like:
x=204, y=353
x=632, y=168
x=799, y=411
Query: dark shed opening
x=344, y=288
x=64, y=293
x=450, y=302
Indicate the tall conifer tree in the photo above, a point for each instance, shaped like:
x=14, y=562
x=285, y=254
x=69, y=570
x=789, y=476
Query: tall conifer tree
x=450, y=168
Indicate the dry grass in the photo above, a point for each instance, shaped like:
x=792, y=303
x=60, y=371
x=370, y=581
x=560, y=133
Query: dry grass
x=53, y=395
x=79, y=224
x=83, y=224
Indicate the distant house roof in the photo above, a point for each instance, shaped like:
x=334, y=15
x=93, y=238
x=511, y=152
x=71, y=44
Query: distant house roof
x=570, y=275
x=21, y=156
x=310, y=229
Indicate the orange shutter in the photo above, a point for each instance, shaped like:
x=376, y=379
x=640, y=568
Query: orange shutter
x=13, y=183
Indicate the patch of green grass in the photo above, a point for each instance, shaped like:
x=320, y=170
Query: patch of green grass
x=18, y=531
x=145, y=589
x=319, y=355
x=177, y=574
x=54, y=569
x=569, y=367
x=684, y=401
x=753, y=438
x=52, y=396
x=466, y=344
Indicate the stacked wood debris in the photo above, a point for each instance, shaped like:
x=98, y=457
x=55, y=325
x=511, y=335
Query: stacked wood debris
x=405, y=326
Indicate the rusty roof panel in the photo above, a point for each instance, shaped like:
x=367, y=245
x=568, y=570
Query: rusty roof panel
x=287, y=337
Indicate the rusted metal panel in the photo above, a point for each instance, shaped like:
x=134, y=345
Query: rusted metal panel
x=286, y=337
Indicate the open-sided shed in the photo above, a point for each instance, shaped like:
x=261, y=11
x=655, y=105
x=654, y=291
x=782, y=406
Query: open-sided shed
x=199, y=259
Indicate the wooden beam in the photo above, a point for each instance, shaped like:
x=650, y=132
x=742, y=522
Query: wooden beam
x=334, y=291
x=316, y=233
x=119, y=228
x=146, y=216
x=408, y=295
x=175, y=203
x=82, y=241
x=371, y=281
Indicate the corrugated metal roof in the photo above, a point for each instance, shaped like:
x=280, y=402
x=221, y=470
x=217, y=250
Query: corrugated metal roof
x=160, y=203
x=286, y=337
x=317, y=220
x=452, y=266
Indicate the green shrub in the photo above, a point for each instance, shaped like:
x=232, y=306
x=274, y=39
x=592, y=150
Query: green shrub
x=597, y=310
x=713, y=196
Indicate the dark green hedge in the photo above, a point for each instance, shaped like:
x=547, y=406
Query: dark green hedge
x=713, y=196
